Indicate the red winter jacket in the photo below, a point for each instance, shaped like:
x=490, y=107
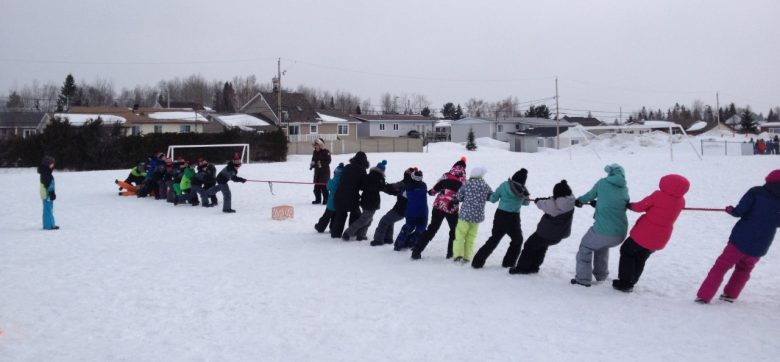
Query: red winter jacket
x=653, y=229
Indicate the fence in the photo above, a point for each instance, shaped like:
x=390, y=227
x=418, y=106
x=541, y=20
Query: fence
x=338, y=147
x=726, y=148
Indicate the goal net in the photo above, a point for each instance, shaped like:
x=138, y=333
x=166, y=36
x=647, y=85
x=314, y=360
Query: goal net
x=216, y=153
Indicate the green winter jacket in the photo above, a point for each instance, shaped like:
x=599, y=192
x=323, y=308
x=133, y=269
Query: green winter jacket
x=511, y=196
x=186, y=182
x=137, y=173
x=611, y=195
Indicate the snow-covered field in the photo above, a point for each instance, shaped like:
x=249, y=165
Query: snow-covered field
x=141, y=280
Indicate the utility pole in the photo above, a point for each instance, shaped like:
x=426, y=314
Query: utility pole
x=621, y=116
x=279, y=89
x=717, y=104
x=557, y=121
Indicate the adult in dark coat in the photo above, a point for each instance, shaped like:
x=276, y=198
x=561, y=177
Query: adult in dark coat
x=320, y=163
x=347, y=197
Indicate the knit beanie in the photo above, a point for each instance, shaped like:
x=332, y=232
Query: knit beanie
x=382, y=165
x=236, y=160
x=520, y=176
x=478, y=172
x=773, y=177
x=461, y=162
x=339, y=168
x=561, y=189
x=417, y=175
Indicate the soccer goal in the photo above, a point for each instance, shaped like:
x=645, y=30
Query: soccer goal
x=639, y=129
x=232, y=146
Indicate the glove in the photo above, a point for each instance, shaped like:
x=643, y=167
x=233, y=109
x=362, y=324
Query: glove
x=577, y=203
x=628, y=205
x=311, y=165
x=431, y=192
x=53, y=196
x=592, y=203
x=729, y=209
x=241, y=180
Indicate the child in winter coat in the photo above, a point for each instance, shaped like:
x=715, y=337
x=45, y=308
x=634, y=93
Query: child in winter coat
x=554, y=226
x=228, y=173
x=384, y=230
x=416, y=212
x=369, y=202
x=347, y=196
x=327, y=216
x=653, y=229
x=472, y=196
x=512, y=195
x=608, y=230
x=758, y=212
x=444, y=207
x=47, y=192
x=183, y=188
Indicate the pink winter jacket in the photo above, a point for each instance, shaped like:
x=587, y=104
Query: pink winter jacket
x=653, y=229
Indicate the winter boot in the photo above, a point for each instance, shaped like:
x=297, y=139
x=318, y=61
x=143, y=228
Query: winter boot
x=229, y=211
x=726, y=298
x=575, y=282
x=416, y=255
x=518, y=270
x=317, y=197
x=377, y=243
x=622, y=286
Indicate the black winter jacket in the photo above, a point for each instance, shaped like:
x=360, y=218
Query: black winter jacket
x=229, y=173
x=348, y=193
x=320, y=162
x=372, y=185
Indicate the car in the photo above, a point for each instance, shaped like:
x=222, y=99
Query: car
x=413, y=134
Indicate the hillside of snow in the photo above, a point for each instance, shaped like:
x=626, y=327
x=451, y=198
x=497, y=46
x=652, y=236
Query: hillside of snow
x=138, y=279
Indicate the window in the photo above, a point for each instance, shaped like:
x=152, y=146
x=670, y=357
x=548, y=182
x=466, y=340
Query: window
x=185, y=128
x=381, y=126
x=27, y=133
x=517, y=126
x=314, y=129
x=157, y=128
x=136, y=131
x=501, y=128
x=342, y=129
x=293, y=130
x=395, y=126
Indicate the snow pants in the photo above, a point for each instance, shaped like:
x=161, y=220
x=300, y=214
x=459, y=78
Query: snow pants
x=410, y=233
x=504, y=223
x=320, y=194
x=632, y=263
x=730, y=258
x=324, y=221
x=48, y=215
x=359, y=227
x=534, y=251
x=465, y=234
x=593, y=256
x=226, y=195
x=384, y=230
x=340, y=218
x=437, y=216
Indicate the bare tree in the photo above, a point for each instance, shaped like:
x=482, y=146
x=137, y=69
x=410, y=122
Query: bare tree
x=476, y=107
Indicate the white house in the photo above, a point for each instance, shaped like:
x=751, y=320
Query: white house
x=395, y=125
x=459, y=130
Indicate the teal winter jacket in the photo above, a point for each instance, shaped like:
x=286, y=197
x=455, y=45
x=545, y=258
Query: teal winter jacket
x=511, y=196
x=611, y=195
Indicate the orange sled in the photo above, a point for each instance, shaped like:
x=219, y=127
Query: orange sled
x=129, y=189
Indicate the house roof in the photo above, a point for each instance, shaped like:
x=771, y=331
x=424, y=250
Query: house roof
x=240, y=120
x=584, y=121
x=331, y=116
x=470, y=120
x=394, y=118
x=21, y=119
x=298, y=109
x=195, y=106
x=770, y=124
x=545, y=131
x=140, y=116
x=535, y=122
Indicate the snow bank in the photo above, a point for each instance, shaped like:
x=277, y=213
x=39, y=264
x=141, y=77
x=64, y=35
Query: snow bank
x=491, y=143
x=699, y=125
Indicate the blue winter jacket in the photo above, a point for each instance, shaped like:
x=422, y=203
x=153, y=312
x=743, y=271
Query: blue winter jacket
x=333, y=184
x=417, y=196
x=759, y=213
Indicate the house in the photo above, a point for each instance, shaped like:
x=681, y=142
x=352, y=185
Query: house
x=522, y=142
x=584, y=121
x=179, y=105
x=501, y=129
x=771, y=127
x=22, y=124
x=143, y=120
x=334, y=123
x=394, y=125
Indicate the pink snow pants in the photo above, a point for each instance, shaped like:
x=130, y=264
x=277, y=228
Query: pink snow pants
x=730, y=257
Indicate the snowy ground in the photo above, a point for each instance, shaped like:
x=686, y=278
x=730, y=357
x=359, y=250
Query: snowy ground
x=138, y=280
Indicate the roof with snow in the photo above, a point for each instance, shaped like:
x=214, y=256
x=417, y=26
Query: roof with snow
x=393, y=118
x=242, y=121
x=698, y=126
x=178, y=116
x=336, y=117
x=80, y=119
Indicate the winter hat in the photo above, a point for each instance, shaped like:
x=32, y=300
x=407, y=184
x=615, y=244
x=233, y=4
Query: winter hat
x=561, y=189
x=520, y=176
x=360, y=159
x=201, y=160
x=614, y=169
x=339, y=168
x=168, y=162
x=382, y=165
x=236, y=160
x=417, y=175
x=773, y=177
x=319, y=141
x=461, y=162
x=478, y=172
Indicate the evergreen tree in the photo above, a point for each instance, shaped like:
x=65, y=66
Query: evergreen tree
x=772, y=117
x=538, y=112
x=426, y=112
x=470, y=144
x=14, y=101
x=322, y=105
x=748, y=122
x=332, y=103
x=458, y=113
x=448, y=111
x=229, y=94
x=358, y=110
x=68, y=94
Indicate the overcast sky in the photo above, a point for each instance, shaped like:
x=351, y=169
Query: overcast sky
x=606, y=53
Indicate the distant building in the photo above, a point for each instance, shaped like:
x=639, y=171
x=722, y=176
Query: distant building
x=394, y=125
x=22, y=124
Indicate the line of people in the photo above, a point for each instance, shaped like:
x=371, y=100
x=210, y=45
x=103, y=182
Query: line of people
x=356, y=189
x=178, y=182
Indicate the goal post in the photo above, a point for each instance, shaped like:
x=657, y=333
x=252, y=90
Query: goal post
x=244, y=149
x=662, y=126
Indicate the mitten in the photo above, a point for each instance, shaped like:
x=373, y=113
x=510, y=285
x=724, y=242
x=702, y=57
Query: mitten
x=53, y=196
x=628, y=205
x=592, y=203
x=729, y=209
x=241, y=180
x=577, y=203
x=431, y=192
